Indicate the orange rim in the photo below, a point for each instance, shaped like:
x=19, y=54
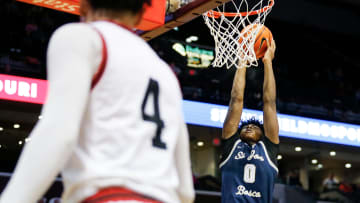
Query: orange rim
x=216, y=14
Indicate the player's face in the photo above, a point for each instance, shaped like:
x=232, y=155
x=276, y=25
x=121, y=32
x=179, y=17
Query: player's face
x=251, y=133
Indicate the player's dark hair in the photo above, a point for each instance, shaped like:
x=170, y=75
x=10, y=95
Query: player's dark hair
x=133, y=6
x=253, y=121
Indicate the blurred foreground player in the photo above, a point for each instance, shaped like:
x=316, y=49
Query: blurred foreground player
x=113, y=122
x=248, y=164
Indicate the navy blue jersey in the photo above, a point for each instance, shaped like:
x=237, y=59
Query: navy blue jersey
x=248, y=172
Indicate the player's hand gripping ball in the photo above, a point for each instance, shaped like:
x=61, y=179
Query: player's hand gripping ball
x=260, y=45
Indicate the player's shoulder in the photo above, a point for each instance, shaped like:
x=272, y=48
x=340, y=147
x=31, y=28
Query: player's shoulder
x=116, y=30
x=268, y=142
x=75, y=28
x=229, y=142
x=75, y=31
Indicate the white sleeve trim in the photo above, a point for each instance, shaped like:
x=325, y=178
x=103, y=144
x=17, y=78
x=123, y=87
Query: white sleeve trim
x=268, y=158
x=232, y=151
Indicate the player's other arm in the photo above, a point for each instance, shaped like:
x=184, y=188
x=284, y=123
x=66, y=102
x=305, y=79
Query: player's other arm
x=233, y=117
x=53, y=139
x=271, y=125
x=183, y=165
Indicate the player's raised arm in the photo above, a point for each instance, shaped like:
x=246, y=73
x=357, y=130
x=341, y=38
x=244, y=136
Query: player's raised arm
x=233, y=117
x=271, y=125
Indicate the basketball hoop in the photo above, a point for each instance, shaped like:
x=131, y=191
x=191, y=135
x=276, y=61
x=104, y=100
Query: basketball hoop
x=226, y=24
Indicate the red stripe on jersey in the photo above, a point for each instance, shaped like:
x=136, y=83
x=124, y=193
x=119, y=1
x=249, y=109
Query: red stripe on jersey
x=118, y=194
x=102, y=66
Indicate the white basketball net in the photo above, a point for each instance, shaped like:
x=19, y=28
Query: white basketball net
x=227, y=32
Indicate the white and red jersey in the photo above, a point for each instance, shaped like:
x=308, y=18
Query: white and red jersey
x=132, y=127
x=118, y=128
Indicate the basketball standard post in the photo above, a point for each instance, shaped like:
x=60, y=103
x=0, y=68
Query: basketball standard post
x=183, y=15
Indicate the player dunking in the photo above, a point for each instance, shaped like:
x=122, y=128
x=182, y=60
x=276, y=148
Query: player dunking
x=248, y=164
x=113, y=122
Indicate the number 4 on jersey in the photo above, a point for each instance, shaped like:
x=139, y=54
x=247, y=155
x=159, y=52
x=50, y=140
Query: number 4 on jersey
x=153, y=88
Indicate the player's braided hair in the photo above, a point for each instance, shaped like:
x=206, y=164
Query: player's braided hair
x=119, y=5
x=254, y=121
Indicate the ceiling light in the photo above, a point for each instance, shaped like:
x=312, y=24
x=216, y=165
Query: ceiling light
x=28, y=139
x=319, y=166
x=40, y=117
x=20, y=142
x=0, y=146
x=179, y=48
x=347, y=165
x=200, y=143
x=298, y=149
x=279, y=157
x=192, y=39
x=332, y=153
x=16, y=125
x=314, y=161
x=1, y=128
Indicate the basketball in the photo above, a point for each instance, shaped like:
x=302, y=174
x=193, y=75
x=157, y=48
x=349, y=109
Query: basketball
x=260, y=45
